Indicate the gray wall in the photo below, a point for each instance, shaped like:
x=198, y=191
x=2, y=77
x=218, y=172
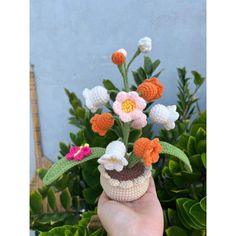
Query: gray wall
x=72, y=41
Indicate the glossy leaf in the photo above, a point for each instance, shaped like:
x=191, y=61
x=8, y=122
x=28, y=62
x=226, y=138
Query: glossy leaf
x=197, y=212
x=52, y=199
x=203, y=157
x=36, y=202
x=191, y=146
x=66, y=199
x=203, y=204
x=148, y=65
x=175, y=231
x=109, y=85
x=187, y=206
x=155, y=64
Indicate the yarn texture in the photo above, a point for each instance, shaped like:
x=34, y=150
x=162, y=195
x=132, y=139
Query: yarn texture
x=151, y=89
x=102, y=123
x=124, y=191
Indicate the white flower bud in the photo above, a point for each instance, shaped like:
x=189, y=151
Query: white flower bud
x=95, y=98
x=145, y=44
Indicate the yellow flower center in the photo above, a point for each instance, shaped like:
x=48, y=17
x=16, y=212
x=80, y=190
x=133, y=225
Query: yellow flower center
x=128, y=106
x=113, y=160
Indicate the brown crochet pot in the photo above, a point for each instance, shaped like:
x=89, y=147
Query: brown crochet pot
x=127, y=185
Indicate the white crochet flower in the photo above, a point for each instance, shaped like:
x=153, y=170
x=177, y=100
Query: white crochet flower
x=145, y=44
x=164, y=115
x=122, y=50
x=95, y=98
x=114, y=157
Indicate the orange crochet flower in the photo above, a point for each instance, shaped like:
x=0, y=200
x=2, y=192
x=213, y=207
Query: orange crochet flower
x=150, y=89
x=102, y=123
x=118, y=58
x=147, y=149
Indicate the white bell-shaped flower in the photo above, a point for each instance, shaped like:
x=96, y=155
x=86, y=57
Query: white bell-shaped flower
x=95, y=98
x=164, y=115
x=114, y=157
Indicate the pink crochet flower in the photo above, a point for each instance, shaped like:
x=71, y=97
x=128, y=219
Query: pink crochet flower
x=129, y=106
x=140, y=122
x=79, y=153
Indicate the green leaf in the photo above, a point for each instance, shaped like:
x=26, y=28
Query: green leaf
x=133, y=160
x=155, y=64
x=181, y=72
x=175, y=231
x=176, y=152
x=66, y=199
x=198, y=79
x=91, y=195
x=63, y=165
x=187, y=206
x=142, y=74
x=203, y=204
x=80, y=113
x=184, y=218
x=148, y=65
x=134, y=135
x=172, y=217
x=173, y=166
x=136, y=78
x=41, y=172
x=52, y=199
x=197, y=212
x=198, y=233
x=203, y=157
x=91, y=174
x=201, y=147
x=200, y=135
x=36, y=202
x=66, y=230
x=64, y=148
x=191, y=146
x=109, y=85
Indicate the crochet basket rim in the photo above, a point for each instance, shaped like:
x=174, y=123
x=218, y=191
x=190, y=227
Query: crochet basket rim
x=125, y=183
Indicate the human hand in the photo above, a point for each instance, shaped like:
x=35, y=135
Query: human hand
x=140, y=217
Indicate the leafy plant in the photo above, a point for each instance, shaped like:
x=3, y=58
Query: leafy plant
x=182, y=194
x=187, y=104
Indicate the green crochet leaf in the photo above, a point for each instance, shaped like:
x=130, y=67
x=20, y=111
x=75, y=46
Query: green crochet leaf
x=176, y=152
x=61, y=166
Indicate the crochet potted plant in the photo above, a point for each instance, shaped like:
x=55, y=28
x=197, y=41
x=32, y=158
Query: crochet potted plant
x=125, y=164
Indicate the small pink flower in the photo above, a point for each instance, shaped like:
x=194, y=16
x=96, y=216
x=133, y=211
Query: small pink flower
x=129, y=106
x=140, y=122
x=73, y=151
x=79, y=153
x=84, y=152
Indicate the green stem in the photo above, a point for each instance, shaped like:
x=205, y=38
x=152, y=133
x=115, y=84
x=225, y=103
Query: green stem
x=132, y=59
x=123, y=71
x=126, y=130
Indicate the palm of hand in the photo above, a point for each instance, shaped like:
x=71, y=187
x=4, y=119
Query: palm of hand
x=141, y=217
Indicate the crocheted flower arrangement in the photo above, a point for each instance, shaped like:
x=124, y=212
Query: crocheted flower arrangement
x=124, y=175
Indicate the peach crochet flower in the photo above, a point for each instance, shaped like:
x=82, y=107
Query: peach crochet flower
x=129, y=106
x=150, y=89
x=118, y=58
x=102, y=123
x=147, y=149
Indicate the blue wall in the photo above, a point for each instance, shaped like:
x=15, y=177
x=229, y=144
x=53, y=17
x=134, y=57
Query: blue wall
x=72, y=41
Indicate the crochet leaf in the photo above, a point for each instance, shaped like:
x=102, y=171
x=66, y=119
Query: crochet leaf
x=176, y=152
x=61, y=166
